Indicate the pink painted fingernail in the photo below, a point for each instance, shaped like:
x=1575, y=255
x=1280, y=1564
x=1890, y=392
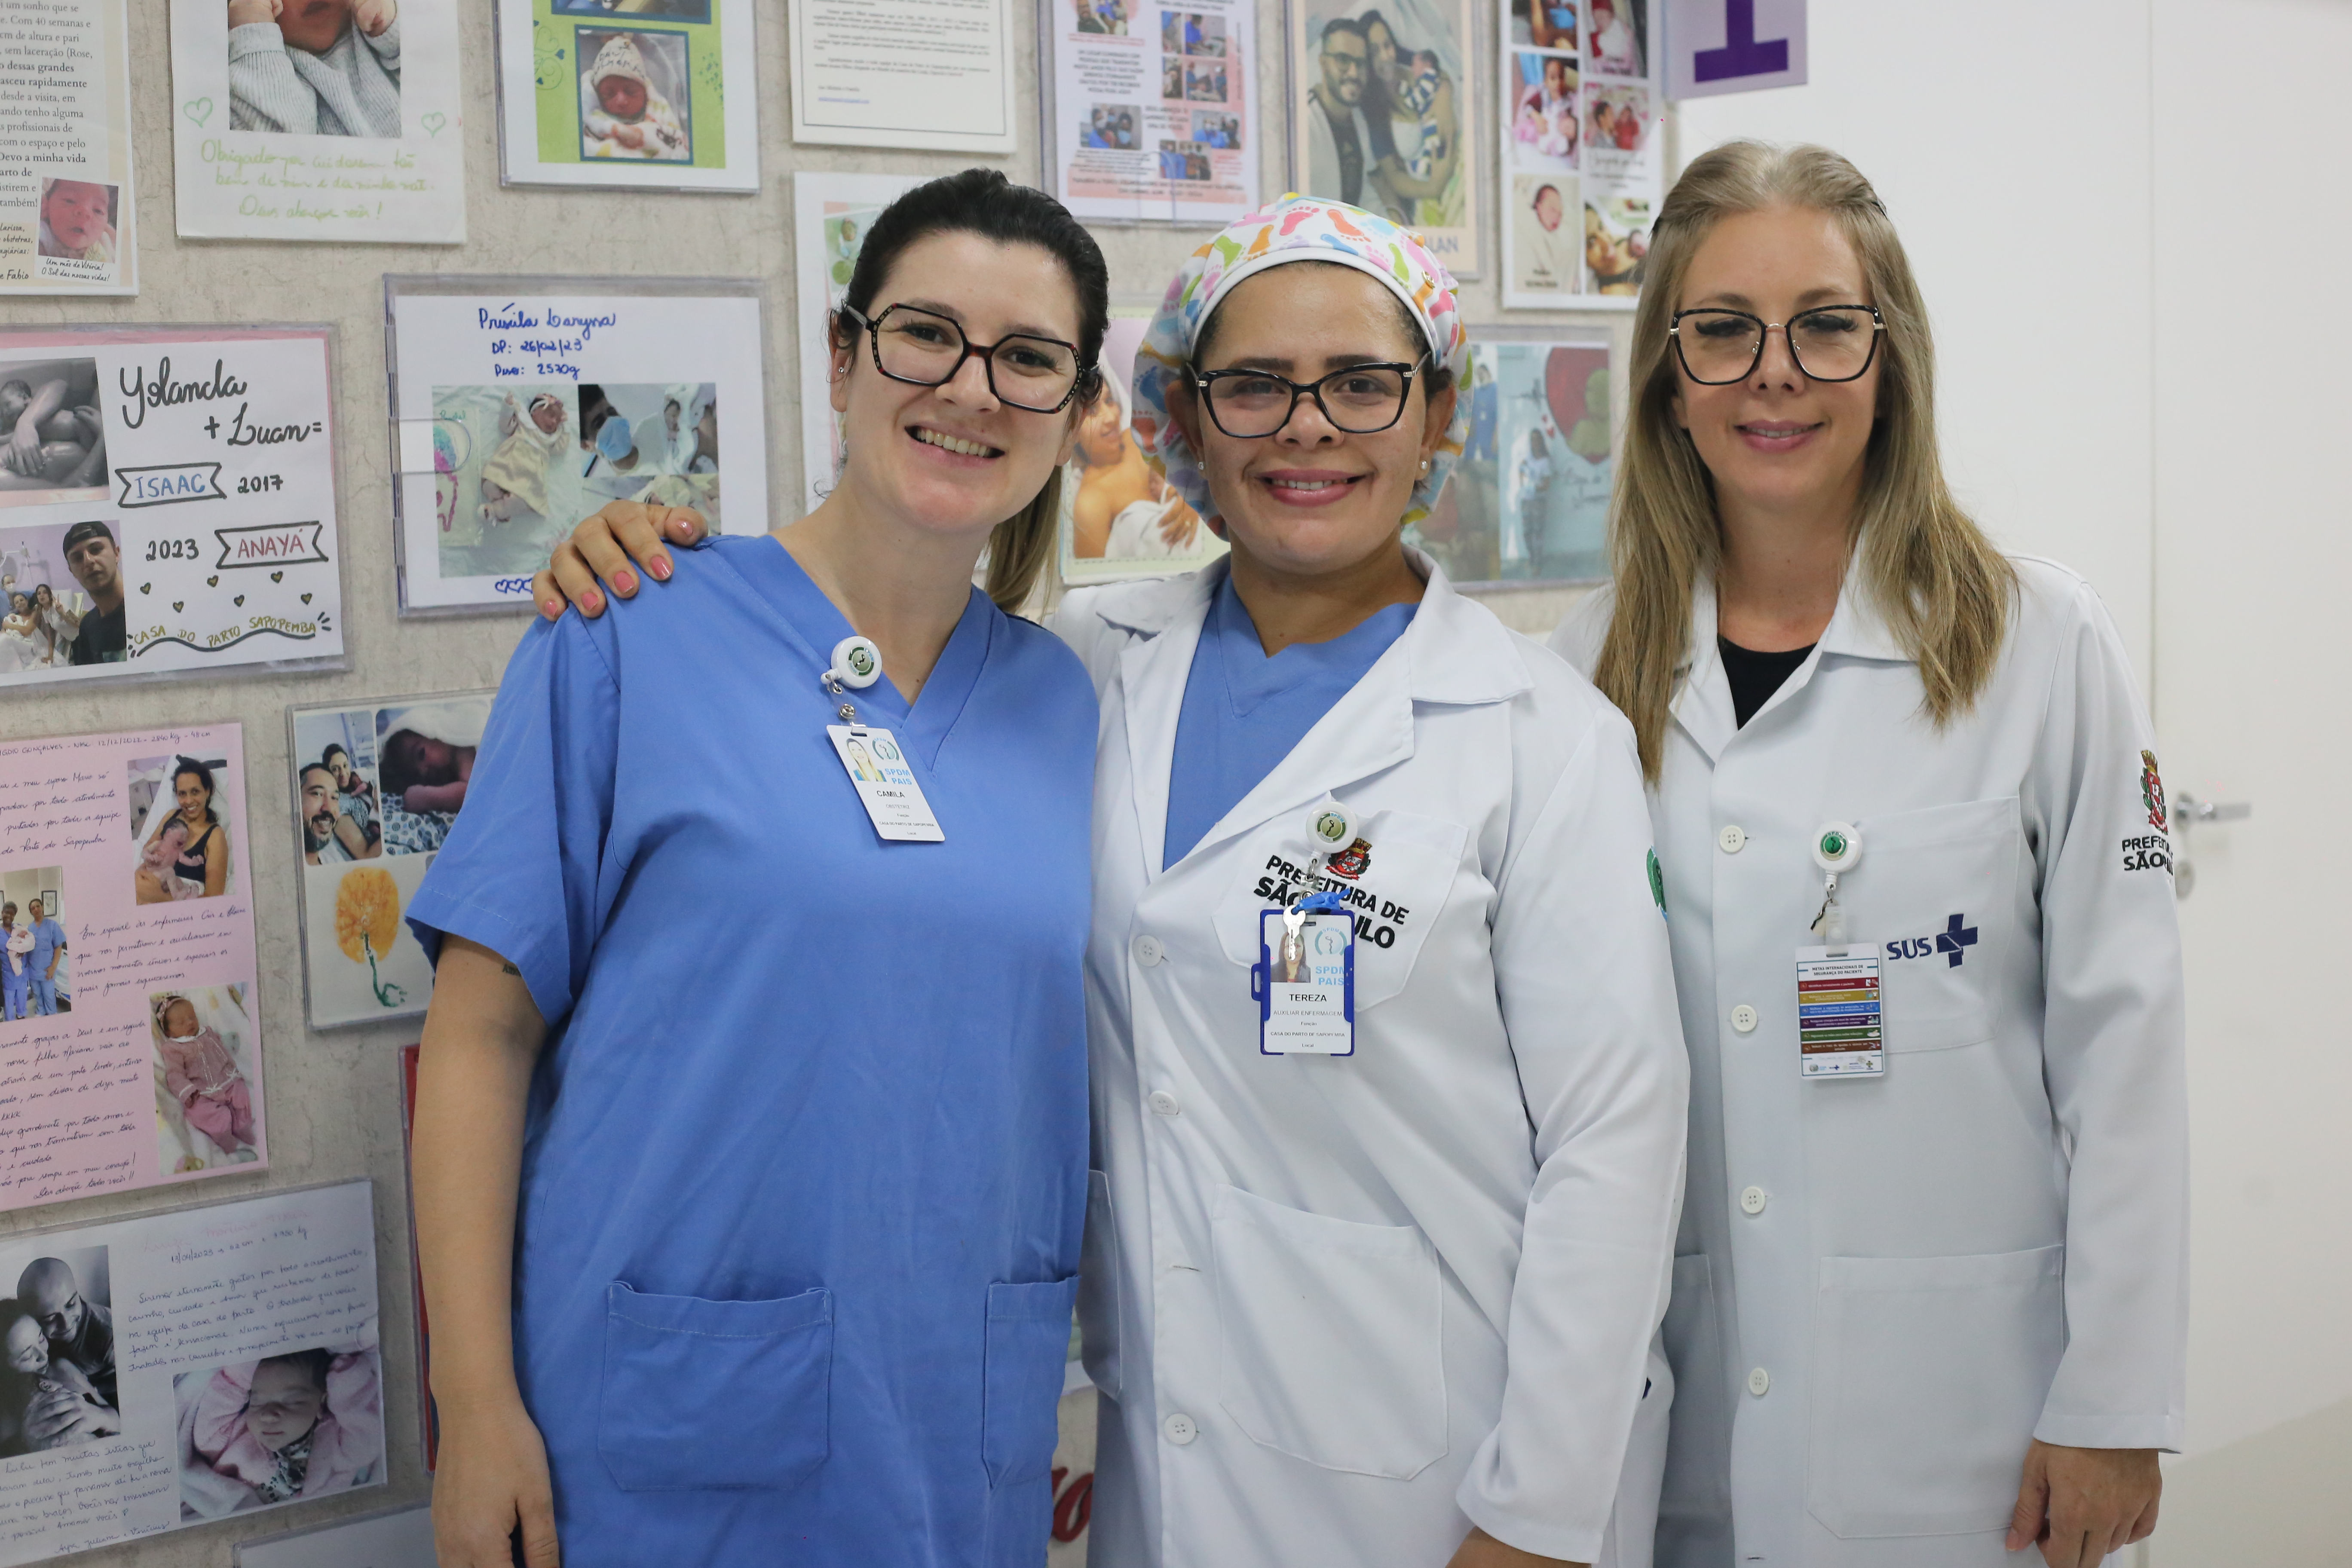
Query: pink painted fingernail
x=624, y=583
x=592, y=602
x=554, y=608
x=660, y=566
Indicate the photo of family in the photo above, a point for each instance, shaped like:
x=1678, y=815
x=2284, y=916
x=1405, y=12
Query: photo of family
x=1617, y=37
x=203, y=1040
x=507, y=475
x=1222, y=132
x=1543, y=123
x=78, y=220
x=54, y=438
x=1110, y=16
x=1530, y=500
x=1618, y=118
x=59, y=1388
x=1616, y=242
x=179, y=821
x=1111, y=125
x=1534, y=25
x=1383, y=94
x=314, y=68
x=377, y=789
x=283, y=1428
x=35, y=976
x=1183, y=161
x=636, y=96
x=1119, y=518
x=61, y=587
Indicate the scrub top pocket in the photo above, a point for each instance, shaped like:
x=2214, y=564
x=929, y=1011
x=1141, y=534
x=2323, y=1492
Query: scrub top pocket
x=702, y=1396
x=1028, y=1349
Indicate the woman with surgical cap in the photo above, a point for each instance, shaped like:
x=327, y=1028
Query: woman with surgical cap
x=1388, y=1078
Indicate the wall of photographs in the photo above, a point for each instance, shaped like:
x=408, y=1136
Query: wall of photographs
x=318, y=499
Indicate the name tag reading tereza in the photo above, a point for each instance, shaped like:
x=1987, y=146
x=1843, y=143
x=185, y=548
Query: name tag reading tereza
x=1305, y=982
x=885, y=785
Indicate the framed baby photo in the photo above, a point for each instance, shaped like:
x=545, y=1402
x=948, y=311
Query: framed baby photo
x=522, y=405
x=641, y=94
x=376, y=788
x=1120, y=519
x=339, y=121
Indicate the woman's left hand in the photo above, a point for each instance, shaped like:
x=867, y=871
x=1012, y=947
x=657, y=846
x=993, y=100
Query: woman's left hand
x=1179, y=524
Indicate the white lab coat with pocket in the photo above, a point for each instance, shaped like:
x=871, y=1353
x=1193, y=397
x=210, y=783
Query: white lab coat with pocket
x=1884, y=1287
x=1343, y=1308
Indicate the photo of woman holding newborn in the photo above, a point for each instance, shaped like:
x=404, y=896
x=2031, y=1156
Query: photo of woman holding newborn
x=186, y=854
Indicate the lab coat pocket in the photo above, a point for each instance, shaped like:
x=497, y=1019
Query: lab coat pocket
x=1395, y=878
x=1332, y=1337
x=1028, y=1347
x=1934, y=890
x=1098, y=1287
x=1932, y=1371
x=714, y=1395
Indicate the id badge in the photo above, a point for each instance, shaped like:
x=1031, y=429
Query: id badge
x=886, y=785
x=1839, y=1021
x=1308, y=1008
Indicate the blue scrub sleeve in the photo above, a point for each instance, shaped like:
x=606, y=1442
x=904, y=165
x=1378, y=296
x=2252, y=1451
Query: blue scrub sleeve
x=521, y=871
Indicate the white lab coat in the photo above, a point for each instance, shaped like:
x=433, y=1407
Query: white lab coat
x=1342, y=1309
x=1989, y=1243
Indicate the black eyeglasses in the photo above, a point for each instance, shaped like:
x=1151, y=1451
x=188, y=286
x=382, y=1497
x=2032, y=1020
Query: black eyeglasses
x=1361, y=399
x=1041, y=374
x=1831, y=342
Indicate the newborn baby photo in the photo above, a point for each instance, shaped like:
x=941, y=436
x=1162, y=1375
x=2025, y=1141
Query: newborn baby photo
x=52, y=434
x=255, y=1434
x=634, y=96
x=314, y=68
x=508, y=484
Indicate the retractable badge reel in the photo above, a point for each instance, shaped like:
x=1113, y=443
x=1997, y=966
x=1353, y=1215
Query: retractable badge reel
x=1303, y=981
x=1839, y=1017
x=876, y=766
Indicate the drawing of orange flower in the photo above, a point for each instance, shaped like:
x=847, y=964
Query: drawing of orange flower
x=367, y=922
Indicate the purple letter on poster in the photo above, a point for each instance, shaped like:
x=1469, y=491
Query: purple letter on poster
x=1733, y=46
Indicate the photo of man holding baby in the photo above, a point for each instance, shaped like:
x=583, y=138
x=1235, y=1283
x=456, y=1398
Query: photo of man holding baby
x=314, y=68
x=58, y=1386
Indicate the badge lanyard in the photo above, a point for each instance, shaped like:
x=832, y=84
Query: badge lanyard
x=875, y=763
x=1303, y=981
x=1839, y=1018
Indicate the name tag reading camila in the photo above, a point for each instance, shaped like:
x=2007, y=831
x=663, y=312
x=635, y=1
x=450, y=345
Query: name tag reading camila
x=1840, y=1025
x=885, y=785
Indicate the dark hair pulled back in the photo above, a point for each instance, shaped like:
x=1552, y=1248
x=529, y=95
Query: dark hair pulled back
x=984, y=201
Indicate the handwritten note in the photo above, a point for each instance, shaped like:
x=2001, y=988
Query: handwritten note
x=68, y=223
x=249, y=164
x=88, y=1101
x=189, y=1293
x=219, y=502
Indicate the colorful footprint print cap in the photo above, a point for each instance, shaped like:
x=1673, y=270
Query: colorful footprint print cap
x=1295, y=228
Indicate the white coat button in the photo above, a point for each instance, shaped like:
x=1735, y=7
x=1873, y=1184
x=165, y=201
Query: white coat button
x=1180, y=1430
x=1743, y=1018
x=1734, y=838
x=1148, y=951
x=1165, y=1103
x=1759, y=1381
x=1751, y=1199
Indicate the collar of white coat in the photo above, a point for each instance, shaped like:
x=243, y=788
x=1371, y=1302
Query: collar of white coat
x=1702, y=703
x=1455, y=651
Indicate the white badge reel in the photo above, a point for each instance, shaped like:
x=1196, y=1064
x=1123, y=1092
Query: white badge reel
x=1303, y=981
x=1839, y=1017
x=878, y=766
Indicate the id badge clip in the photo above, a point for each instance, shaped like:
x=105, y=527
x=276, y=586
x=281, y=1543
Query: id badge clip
x=877, y=765
x=1303, y=981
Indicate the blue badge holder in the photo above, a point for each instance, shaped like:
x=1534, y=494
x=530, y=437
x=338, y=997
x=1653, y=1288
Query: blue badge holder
x=1269, y=925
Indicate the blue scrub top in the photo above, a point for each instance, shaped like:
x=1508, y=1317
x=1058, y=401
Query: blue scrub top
x=48, y=937
x=804, y=1166
x=1243, y=712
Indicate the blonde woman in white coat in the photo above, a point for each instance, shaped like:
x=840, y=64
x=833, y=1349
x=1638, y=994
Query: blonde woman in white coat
x=1929, y=1308
x=1391, y=1307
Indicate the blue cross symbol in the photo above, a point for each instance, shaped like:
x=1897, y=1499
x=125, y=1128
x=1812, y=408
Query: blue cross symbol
x=1956, y=939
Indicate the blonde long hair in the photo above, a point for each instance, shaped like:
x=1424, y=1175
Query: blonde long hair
x=1943, y=588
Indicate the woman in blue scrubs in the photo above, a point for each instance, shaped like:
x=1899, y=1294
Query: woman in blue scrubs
x=749, y=1235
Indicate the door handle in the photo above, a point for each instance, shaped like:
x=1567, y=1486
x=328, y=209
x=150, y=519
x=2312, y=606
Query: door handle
x=2188, y=811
